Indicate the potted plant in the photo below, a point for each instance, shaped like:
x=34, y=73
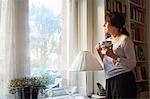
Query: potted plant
x=28, y=87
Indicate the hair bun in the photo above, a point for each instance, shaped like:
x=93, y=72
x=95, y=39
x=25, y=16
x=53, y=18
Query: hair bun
x=117, y=19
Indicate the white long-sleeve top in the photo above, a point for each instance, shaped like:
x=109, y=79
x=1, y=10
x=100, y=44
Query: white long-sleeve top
x=124, y=48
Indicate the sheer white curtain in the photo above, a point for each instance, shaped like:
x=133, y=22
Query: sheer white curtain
x=14, y=60
x=80, y=36
x=72, y=37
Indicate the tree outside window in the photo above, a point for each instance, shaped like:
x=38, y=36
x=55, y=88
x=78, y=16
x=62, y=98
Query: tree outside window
x=46, y=30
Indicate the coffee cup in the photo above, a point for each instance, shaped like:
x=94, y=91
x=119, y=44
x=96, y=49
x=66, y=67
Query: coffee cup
x=106, y=43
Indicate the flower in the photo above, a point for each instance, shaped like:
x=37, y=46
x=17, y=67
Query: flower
x=32, y=82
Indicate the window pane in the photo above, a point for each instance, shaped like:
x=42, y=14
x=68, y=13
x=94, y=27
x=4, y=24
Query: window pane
x=46, y=35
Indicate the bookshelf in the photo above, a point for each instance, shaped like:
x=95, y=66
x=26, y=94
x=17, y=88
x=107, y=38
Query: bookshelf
x=137, y=22
x=135, y=13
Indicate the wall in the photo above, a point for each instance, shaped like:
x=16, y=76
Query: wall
x=148, y=35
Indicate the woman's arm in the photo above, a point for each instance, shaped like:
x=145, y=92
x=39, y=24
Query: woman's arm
x=129, y=60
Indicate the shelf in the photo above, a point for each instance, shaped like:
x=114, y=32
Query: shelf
x=136, y=5
x=138, y=42
x=141, y=61
x=140, y=81
x=137, y=22
x=143, y=95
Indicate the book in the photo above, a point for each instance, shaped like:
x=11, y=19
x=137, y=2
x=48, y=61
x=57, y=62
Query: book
x=143, y=73
x=133, y=31
x=115, y=6
x=138, y=73
x=137, y=14
x=139, y=51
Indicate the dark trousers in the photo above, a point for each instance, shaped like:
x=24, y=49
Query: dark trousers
x=122, y=86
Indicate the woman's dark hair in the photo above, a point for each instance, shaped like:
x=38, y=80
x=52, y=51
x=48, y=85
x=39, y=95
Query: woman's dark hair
x=118, y=20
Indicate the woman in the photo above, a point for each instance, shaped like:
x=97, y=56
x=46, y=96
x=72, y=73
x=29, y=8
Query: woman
x=119, y=59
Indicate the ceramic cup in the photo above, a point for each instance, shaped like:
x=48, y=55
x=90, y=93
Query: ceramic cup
x=106, y=43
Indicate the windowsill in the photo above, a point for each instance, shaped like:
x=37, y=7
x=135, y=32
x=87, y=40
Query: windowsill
x=65, y=96
x=59, y=93
x=76, y=96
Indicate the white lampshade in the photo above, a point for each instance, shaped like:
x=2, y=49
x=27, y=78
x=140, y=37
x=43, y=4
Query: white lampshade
x=85, y=61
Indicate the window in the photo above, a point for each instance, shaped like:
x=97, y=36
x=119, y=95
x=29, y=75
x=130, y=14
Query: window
x=47, y=32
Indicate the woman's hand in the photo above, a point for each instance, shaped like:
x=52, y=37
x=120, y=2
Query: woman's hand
x=98, y=49
x=110, y=53
x=104, y=50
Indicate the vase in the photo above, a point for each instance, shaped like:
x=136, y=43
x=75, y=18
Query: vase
x=28, y=93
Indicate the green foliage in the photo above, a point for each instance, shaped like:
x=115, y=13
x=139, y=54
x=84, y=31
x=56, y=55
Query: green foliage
x=32, y=82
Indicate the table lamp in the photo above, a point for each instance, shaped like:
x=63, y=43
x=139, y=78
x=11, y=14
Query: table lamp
x=86, y=61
